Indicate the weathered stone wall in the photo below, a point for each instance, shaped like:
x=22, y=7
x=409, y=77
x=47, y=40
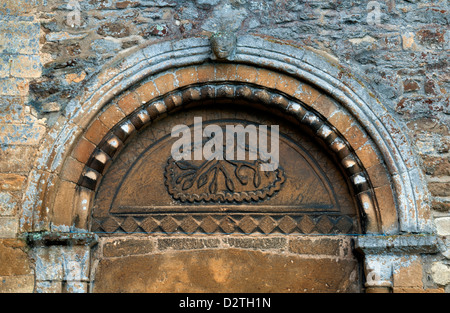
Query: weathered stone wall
x=47, y=57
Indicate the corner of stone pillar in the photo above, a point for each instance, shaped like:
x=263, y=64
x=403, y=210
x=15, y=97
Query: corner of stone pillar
x=382, y=255
x=62, y=261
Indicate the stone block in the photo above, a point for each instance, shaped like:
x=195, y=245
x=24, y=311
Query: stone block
x=26, y=66
x=440, y=273
x=48, y=287
x=19, y=37
x=11, y=182
x=83, y=150
x=48, y=265
x=13, y=87
x=367, y=155
x=319, y=246
x=75, y=77
x=287, y=84
x=226, y=72
x=117, y=30
x=378, y=175
x=387, y=207
x=256, y=243
x=165, y=83
x=206, y=73
x=187, y=243
x=440, y=189
x=440, y=204
x=186, y=76
x=123, y=247
x=21, y=134
x=105, y=46
x=96, y=132
x=267, y=78
x=230, y=270
x=355, y=136
x=58, y=263
x=129, y=103
x=18, y=7
x=111, y=116
x=13, y=109
x=8, y=227
x=81, y=209
x=343, y=121
x=408, y=272
x=75, y=287
x=76, y=261
x=326, y=106
x=307, y=94
x=410, y=85
x=443, y=226
x=17, y=284
x=4, y=65
x=9, y=203
x=246, y=74
x=63, y=210
x=436, y=165
x=72, y=170
x=147, y=92
x=417, y=290
x=13, y=259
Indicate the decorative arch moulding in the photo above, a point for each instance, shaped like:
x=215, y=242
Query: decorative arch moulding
x=123, y=98
x=117, y=137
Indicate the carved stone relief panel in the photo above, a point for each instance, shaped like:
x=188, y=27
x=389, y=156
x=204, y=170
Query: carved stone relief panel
x=147, y=190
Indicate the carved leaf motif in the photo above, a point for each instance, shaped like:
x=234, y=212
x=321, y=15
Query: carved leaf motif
x=221, y=180
x=213, y=184
x=202, y=180
x=257, y=179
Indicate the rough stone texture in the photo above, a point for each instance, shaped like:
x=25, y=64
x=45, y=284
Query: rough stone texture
x=256, y=243
x=443, y=226
x=13, y=259
x=119, y=248
x=409, y=276
x=441, y=273
x=319, y=246
x=44, y=63
x=8, y=227
x=17, y=284
x=16, y=273
x=186, y=243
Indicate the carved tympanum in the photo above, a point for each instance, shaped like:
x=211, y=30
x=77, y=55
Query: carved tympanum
x=148, y=189
x=221, y=180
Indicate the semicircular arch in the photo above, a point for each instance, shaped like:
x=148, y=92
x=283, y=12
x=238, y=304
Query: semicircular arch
x=161, y=75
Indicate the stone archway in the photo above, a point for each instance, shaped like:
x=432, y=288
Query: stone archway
x=131, y=198
x=241, y=236
x=364, y=137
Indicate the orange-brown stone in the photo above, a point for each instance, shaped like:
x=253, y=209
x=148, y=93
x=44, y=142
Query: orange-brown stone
x=230, y=270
